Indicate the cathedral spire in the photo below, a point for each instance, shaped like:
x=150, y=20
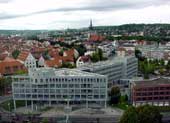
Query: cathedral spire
x=91, y=25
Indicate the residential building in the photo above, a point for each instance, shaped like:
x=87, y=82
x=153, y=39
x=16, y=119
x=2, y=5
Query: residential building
x=58, y=86
x=11, y=66
x=107, y=48
x=83, y=60
x=153, y=92
x=27, y=59
x=122, y=51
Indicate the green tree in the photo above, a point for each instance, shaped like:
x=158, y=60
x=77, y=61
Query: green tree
x=141, y=114
x=149, y=114
x=162, y=62
x=123, y=99
x=100, y=53
x=15, y=53
x=45, y=120
x=129, y=116
x=81, y=49
x=46, y=55
x=4, y=83
x=161, y=71
x=67, y=65
x=168, y=65
x=147, y=67
x=95, y=57
x=115, y=95
x=138, y=53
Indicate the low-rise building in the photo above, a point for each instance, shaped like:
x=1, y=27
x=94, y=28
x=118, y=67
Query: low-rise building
x=83, y=60
x=115, y=69
x=153, y=92
x=27, y=59
x=107, y=48
x=52, y=86
x=11, y=66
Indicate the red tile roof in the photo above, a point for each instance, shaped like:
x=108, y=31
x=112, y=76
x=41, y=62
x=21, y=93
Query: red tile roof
x=10, y=66
x=23, y=55
x=69, y=52
x=3, y=56
x=56, y=62
x=96, y=38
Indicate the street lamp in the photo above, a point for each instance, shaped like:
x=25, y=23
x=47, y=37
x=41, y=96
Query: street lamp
x=67, y=111
x=9, y=106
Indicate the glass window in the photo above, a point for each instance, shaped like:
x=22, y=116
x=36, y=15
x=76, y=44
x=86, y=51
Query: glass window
x=52, y=96
x=41, y=80
x=71, y=85
x=64, y=85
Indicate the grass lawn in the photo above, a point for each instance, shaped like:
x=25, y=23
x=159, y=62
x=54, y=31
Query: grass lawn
x=122, y=106
x=9, y=105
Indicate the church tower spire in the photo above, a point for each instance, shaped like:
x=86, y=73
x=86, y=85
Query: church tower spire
x=91, y=25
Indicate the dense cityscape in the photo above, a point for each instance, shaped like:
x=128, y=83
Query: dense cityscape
x=93, y=73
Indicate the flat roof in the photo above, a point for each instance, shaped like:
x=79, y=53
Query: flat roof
x=115, y=60
x=153, y=82
x=61, y=72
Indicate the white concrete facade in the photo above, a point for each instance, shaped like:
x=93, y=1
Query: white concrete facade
x=115, y=69
x=30, y=62
x=58, y=86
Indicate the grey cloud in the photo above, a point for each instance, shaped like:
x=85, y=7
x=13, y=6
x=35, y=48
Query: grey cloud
x=95, y=5
x=5, y=1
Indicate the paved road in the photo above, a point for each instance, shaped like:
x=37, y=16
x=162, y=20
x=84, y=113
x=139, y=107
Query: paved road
x=166, y=119
x=5, y=98
x=61, y=119
x=104, y=119
x=72, y=119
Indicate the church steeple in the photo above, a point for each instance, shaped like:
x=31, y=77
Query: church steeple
x=91, y=25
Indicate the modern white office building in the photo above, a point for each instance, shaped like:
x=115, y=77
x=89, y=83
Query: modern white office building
x=130, y=67
x=52, y=86
x=115, y=69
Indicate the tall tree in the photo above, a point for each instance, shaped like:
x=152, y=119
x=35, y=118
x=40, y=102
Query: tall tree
x=115, y=95
x=95, y=57
x=141, y=114
x=100, y=53
x=149, y=114
x=15, y=53
x=138, y=53
x=4, y=83
x=129, y=116
x=168, y=65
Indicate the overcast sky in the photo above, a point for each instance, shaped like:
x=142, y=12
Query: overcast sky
x=62, y=14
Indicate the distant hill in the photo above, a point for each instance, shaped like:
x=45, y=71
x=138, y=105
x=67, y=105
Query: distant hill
x=153, y=30
x=148, y=29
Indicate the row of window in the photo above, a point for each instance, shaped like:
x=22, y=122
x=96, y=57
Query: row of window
x=59, y=96
x=58, y=91
x=153, y=98
x=70, y=80
x=152, y=93
x=51, y=86
x=153, y=88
